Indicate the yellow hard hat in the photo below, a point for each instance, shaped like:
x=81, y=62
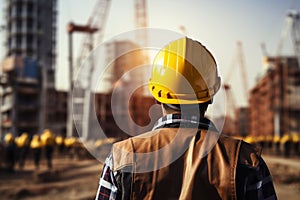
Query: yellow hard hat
x=36, y=142
x=47, y=132
x=59, y=140
x=276, y=138
x=22, y=140
x=250, y=139
x=9, y=138
x=285, y=138
x=295, y=137
x=184, y=72
x=47, y=137
x=70, y=141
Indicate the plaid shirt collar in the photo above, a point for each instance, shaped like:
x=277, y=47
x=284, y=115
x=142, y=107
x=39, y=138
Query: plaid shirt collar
x=185, y=121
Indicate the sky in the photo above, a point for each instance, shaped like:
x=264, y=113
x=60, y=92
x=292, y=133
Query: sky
x=218, y=24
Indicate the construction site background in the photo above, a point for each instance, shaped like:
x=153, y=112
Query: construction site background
x=30, y=103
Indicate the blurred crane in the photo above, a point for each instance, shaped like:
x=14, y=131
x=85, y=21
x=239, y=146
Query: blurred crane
x=97, y=20
x=238, y=61
x=231, y=106
x=96, y=23
x=141, y=21
x=292, y=24
x=241, y=62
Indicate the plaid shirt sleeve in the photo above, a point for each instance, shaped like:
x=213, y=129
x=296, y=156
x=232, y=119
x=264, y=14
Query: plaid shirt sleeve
x=107, y=189
x=255, y=184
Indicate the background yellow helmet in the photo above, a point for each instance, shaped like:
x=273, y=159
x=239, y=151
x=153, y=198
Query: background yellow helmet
x=9, y=138
x=22, y=140
x=36, y=142
x=184, y=72
x=47, y=137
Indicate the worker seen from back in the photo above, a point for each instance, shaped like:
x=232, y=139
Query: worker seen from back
x=184, y=156
x=48, y=141
x=10, y=151
x=22, y=143
x=286, y=141
x=296, y=142
x=59, y=140
x=276, y=141
x=36, y=148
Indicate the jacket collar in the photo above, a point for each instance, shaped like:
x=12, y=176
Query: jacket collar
x=185, y=121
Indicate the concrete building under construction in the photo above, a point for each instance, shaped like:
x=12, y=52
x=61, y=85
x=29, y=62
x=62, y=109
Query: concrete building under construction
x=28, y=87
x=274, y=101
x=31, y=30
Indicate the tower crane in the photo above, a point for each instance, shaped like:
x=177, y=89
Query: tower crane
x=231, y=106
x=96, y=23
x=141, y=20
x=292, y=24
x=239, y=60
x=97, y=20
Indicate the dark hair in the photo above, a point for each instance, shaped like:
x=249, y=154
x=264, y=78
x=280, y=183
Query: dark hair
x=202, y=107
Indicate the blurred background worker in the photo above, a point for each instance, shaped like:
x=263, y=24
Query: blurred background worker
x=276, y=141
x=296, y=142
x=184, y=156
x=22, y=143
x=59, y=141
x=286, y=141
x=48, y=141
x=36, y=147
x=10, y=151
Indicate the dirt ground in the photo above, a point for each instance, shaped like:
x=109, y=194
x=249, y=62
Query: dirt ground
x=69, y=179
x=78, y=180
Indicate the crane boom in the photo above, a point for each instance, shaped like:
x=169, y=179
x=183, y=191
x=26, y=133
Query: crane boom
x=240, y=61
x=96, y=20
x=95, y=25
x=292, y=24
x=141, y=20
x=243, y=69
x=296, y=33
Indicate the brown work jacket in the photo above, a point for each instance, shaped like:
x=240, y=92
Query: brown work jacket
x=194, y=164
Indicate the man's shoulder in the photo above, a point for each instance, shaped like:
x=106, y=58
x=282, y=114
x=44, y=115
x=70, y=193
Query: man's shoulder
x=124, y=151
x=248, y=155
x=164, y=135
x=129, y=141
